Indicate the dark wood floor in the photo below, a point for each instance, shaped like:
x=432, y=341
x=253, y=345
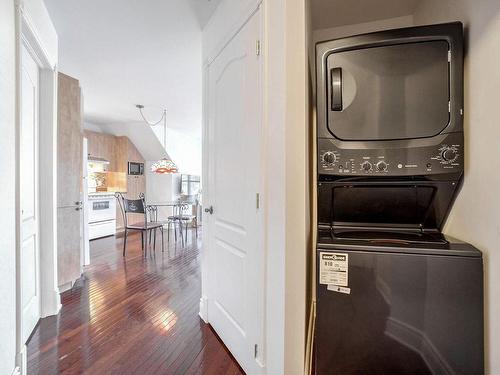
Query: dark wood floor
x=132, y=315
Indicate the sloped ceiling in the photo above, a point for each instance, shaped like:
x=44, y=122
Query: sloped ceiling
x=129, y=51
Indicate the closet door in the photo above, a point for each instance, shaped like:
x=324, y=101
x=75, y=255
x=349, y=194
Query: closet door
x=234, y=238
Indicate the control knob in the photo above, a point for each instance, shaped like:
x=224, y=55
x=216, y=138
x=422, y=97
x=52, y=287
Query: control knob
x=381, y=166
x=366, y=166
x=449, y=154
x=329, y=158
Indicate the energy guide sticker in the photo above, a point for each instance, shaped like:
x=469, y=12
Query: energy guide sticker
x=333, y=268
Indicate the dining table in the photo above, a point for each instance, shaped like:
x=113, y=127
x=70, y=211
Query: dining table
x=154, y=205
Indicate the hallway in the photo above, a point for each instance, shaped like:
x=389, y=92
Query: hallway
x=132, y=315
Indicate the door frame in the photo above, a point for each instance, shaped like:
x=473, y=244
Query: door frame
x=27, y=35
x=247, y=13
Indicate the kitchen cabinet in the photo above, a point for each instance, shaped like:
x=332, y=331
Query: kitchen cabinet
x=119, y=151
x=102, y=145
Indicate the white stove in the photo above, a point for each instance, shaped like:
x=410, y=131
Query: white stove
x=102, y=215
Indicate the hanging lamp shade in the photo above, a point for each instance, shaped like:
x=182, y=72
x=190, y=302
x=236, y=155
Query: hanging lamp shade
x=164, y=166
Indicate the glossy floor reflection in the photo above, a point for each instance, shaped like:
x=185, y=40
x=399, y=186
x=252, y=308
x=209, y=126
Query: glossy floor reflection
x=132, y=315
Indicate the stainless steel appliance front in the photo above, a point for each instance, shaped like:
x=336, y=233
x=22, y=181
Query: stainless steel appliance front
x=398, y=297
x=391, y=103
x=135, y=168
x=406, y=310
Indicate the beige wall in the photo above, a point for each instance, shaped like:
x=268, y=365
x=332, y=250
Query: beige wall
x=7, y=190
x=361, y=28
x=274, y=114
x=475, y=217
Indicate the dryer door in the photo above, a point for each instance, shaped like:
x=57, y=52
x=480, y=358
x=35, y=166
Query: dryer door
x=397, y=91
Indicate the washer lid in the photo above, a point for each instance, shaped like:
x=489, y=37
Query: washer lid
x=376, y=240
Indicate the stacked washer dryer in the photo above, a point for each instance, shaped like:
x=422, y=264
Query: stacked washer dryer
x=394, y=295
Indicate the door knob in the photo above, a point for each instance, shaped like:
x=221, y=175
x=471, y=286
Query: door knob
x=210, y=210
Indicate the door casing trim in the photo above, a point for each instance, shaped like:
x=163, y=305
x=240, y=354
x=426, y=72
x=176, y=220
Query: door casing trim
x=50, y=303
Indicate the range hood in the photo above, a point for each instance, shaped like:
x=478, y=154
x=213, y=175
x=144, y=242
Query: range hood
x=97, y=160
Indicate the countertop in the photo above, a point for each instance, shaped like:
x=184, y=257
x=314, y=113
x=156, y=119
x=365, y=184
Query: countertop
x=101, y=194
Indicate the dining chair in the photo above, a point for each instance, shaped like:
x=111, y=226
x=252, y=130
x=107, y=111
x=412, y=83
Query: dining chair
x=171, y=220
x=174, y=220
x=189, y=218
x=137, y=206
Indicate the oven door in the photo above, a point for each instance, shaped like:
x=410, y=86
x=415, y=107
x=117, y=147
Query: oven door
x=102, y=210
x=389, y=92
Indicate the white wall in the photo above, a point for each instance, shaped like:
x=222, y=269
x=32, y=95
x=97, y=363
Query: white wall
x=92, y=127
x=475, y=215
x=39, y=18
x=161, y=187
x=7, y=190
x=184, y=148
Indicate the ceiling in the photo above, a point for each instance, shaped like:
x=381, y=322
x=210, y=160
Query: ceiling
x=333, y=13
x=134, y=53
x=204, y=9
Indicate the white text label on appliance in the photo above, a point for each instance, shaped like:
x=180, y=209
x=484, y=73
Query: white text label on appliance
x=339, y=289
x=333, y=268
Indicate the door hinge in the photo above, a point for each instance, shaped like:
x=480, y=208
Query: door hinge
x=257, y=200
x=255, y=351
x=449, y=56
x=449, y=106
x=257, y=47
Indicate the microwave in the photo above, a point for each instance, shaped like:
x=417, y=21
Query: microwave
x=135, y=168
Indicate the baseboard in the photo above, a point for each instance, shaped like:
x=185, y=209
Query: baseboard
x=418, y=341
x=203, y=309
x=65, y=287
x=52, y=306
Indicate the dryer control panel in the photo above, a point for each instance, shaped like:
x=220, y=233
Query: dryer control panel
x=349, y=160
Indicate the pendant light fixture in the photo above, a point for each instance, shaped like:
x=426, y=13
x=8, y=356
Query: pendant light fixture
x=165, y=165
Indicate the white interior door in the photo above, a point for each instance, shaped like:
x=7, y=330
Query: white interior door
x=30, y=271
x=236, y=266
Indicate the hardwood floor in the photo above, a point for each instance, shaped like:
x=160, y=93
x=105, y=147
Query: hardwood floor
x=132, y=315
